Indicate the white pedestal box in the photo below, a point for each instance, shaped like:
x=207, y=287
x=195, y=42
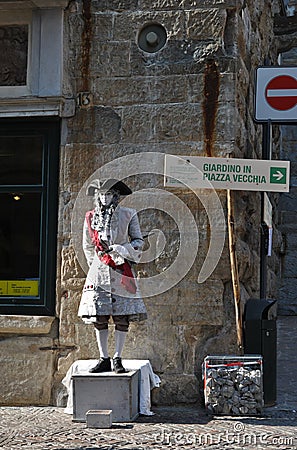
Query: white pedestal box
x=106, y=391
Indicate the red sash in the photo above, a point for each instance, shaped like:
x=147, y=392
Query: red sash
x=127, y=279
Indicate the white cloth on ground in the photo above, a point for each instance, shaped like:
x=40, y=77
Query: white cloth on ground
x=148, y=381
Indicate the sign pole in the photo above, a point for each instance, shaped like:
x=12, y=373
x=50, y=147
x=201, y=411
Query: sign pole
x=266, y=154
x=234, y=272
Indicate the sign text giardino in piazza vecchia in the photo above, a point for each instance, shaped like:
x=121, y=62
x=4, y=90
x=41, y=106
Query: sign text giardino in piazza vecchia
x=199, y=172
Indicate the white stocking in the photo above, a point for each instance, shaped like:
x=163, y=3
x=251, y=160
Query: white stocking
x=120, y=337
x=102, y=341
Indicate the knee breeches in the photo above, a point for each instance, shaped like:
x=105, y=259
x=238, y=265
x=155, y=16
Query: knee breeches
x=121, y=323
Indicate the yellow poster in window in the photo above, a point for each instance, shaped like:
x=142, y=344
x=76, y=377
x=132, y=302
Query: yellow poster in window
x=3, y=287
x=22, y=288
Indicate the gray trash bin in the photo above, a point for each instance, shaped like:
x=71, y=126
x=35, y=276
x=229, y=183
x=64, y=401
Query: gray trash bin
x=260, y=335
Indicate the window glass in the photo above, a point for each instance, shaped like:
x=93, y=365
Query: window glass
x=14, y=55
x=20, y=241
x=21, y=159
x=28, y=216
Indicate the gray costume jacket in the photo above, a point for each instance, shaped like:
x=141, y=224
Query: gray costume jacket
x=104, y=292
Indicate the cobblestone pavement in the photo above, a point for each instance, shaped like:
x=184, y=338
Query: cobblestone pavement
x=180, y=428
x=41, y=428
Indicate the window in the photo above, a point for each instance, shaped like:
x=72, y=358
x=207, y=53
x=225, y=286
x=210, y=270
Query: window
x=28, y=216
x=31, y=52
x=14, y=51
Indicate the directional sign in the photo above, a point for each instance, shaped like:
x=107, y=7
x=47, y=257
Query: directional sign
x=198, y=172
x=276, y=94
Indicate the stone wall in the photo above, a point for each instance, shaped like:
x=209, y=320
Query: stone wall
x=27, y=359
x=192, y=97
x=287, y=214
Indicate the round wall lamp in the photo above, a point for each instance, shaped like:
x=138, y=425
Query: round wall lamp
x=152, y=38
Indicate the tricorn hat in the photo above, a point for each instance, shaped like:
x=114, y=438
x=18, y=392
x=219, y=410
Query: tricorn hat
x=108, y=185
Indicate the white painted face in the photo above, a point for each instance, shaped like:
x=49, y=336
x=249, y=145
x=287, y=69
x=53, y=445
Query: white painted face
x=106, y=198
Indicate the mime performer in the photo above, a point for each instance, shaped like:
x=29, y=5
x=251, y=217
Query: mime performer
x=112, y=243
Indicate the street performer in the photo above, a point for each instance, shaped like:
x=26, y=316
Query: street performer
x=112, y=243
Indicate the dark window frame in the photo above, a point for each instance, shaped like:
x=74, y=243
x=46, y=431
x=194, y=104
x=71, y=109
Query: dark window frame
x=44, y=304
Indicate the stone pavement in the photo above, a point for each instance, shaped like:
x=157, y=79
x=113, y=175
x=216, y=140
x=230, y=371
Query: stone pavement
x=179, y=427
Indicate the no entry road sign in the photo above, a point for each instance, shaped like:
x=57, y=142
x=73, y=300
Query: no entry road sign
x=199, y=172
x=281, y=92
x=276, y=94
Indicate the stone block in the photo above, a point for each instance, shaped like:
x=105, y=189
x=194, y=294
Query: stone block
x=114, y=5
x=127, y=26
x=288, y=150
x=93, y=126
x=227, y=88
x=26, y=370
x=161, y=4
x=137, y=123
x=178, y=388
x=291, y=243
x=289, y=132
x=99, y=418
x=227, y=122
x=167, y=352
x=288, y=200
x=84, y=336
x=137, y=90
x=78, y=168
x=287, y=308
x=288, y=219
x=111, y=59
x=206, y=24
x=200, y=304
x=196, y=4
x=176, y=58
x=103, y=24
x=70, y=266
x=182, y=122
x=293, y=168
x=287, y=291
x=188, y=4
x=68, y=316
x=26, y=325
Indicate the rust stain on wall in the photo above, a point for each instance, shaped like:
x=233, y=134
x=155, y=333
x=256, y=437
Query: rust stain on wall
x=87, y=35
x=210, y=103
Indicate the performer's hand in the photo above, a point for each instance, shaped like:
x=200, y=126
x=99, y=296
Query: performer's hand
x=114, y=252
x=127, y=251
x=120, y=249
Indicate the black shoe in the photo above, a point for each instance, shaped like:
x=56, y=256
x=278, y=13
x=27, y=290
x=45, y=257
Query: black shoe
x=104, y=365
x=118, y=366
